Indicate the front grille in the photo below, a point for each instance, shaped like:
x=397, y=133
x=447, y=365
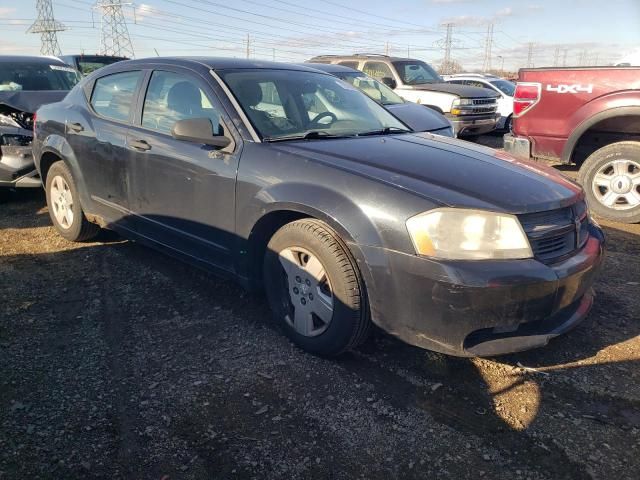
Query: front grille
x=481, y=110
x=555, y=234
x=484, y=101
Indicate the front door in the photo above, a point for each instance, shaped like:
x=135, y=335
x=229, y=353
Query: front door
x=182, y=193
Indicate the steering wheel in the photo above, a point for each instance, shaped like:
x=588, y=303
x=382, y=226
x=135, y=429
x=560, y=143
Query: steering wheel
x=316, y=121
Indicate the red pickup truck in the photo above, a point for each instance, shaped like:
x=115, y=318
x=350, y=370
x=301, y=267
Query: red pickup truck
x=589, y=117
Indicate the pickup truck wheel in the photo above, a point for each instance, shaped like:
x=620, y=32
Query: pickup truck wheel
x=314, y=288
x=611, y=180
x=64, y=205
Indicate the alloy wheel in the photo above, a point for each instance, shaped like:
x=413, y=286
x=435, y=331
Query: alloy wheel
x=616, y=184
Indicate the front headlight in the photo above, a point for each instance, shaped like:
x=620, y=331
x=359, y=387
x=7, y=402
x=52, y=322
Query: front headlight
x=460, y=234
x=462, y=101
x=8, y=121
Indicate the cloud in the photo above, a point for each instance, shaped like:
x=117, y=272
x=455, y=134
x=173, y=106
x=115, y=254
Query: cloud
x=466, y=20
x=4, y=11
x=505, y=12
x=479, y=20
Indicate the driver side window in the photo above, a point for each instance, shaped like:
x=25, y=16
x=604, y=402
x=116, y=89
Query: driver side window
x=172, y=97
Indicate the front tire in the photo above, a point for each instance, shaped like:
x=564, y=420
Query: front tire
x=64, y=206
x=610, y=177
x=314, y=288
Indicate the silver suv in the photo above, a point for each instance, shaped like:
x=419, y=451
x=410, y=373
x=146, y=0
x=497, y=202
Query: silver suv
x=471, y=110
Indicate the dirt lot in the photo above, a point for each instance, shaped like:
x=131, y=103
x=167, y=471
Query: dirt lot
x=118, y=362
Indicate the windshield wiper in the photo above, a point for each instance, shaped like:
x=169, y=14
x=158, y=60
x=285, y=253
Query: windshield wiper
x=384, y=131
x=312, y=135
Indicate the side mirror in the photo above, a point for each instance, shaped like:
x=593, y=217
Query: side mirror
x=389, y=82
x=198, y=130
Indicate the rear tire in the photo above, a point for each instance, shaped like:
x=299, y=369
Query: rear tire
x=64, y=206
x=314, y=288
x=610, y=177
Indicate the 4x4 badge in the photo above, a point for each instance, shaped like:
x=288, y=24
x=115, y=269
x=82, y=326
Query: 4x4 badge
x=576, y=88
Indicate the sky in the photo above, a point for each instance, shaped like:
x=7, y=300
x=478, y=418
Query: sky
x=577, y=31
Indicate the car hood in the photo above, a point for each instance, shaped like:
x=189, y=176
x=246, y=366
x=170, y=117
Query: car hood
x=462, y=91
x=30, y=101
x=418, y=117
x=445, y=170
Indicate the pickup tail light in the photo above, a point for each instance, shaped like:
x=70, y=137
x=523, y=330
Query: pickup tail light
x=34, y=124
x=525, y=97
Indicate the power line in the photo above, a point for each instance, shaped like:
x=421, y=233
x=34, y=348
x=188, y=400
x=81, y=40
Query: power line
x=362, y=12
x=47, y=27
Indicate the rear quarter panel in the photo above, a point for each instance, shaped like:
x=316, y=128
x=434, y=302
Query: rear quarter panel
x=570, y=97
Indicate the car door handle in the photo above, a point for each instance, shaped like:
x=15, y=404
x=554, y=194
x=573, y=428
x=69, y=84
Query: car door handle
x=140, y=145
x=76, y=127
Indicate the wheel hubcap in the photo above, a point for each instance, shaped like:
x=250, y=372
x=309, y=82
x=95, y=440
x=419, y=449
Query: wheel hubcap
x=309, y=292
x=61, y=202
x=616, y=185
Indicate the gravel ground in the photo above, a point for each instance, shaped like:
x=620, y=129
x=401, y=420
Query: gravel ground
x=118, y=362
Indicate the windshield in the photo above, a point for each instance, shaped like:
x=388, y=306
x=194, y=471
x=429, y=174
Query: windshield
x=415, y=72
x=505, y=86
x=289, y=104
x=374, y=89
x=36, y=76
x=86, y=65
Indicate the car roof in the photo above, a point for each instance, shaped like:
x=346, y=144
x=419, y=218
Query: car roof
x=91, y=55
x=471, y=77
x=363, y=56
x=29, y=59
x=217, y=63
x=330, y=67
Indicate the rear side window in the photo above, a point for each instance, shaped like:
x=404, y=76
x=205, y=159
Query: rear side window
x=353, y=65
x=377, y=70
x=477, y=84
x=113, y=95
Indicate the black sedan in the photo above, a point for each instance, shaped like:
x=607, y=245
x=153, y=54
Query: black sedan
x=418, y=117
x=291, y=180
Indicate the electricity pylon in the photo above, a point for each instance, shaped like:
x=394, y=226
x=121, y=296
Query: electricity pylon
x=47, y=27
x=114, y=34
x=486, y=66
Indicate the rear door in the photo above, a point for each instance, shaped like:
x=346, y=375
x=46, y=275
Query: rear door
x=182, y=193
x=98, y=140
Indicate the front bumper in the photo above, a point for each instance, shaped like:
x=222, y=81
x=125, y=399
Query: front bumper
x=481, y=308
x=476, y=125
x=519, y=147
